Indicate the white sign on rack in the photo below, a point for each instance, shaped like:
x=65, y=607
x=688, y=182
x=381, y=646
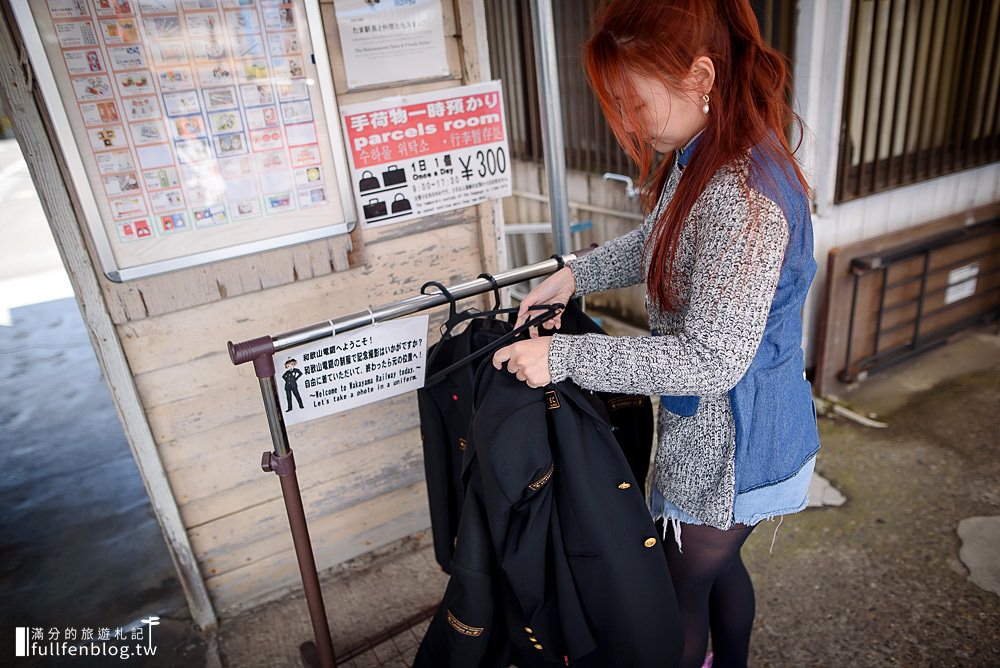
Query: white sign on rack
x=352, y=369
x=386, y=41
x=428, y=153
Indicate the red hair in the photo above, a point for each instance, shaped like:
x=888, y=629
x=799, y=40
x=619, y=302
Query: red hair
x=661, y=39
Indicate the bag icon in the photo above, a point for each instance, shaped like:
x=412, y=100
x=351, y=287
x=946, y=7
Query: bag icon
x=374, y=208
x=393, y=176
x=400, y=203
x=369, y=182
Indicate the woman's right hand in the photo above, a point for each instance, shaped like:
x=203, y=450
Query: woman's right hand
x=558, y=288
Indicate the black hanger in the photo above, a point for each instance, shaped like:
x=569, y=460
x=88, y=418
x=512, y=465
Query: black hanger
x=452, y=306
x=496, y=293
x=550, y=311
x=454, y=317
x=452, y=313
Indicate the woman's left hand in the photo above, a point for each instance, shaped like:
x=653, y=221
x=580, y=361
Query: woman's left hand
x=528, y=360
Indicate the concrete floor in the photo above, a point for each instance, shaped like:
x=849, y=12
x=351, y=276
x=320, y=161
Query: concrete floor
x=362, y=598
x=79, y=545
x=878, y=580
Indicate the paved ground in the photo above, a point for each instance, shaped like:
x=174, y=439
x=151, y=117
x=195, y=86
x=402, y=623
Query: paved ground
x=79, y=545
x=878, y=581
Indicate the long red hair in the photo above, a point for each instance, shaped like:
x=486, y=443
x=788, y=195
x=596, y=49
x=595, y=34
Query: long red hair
x=749, y=108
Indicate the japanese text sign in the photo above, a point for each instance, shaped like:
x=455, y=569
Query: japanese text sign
x=429, y=153
x=352, y=369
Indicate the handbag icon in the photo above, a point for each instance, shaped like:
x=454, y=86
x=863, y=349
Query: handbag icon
x=369, y=182
x=374, y=209
x=393, y=176
x=400, y=203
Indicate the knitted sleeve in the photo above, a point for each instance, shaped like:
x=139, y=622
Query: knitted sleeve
x=615, y=264
x=734, y=277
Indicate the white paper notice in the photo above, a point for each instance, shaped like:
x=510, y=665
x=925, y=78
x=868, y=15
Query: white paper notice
x=391, y=40
x=961, y=283
x=351, y=369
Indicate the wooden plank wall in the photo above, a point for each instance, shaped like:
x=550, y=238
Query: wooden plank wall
x=588, y=190
x=361, y=472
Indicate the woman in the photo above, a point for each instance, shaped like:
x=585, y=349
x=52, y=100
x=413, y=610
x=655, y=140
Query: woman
x=727, y=258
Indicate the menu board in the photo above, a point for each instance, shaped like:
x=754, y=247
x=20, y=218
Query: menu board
x=194, y=130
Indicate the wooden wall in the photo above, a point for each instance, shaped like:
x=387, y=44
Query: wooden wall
x=361, y=472
x=604, y=204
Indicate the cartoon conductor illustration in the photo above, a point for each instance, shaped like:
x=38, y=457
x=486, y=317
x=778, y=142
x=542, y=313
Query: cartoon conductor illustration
x=291, y=378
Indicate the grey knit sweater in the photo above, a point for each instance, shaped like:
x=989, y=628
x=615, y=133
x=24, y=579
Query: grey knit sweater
x=725, y=280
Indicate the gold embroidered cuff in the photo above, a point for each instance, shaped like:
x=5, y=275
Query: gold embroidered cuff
x=537, y=485
x=464, y=629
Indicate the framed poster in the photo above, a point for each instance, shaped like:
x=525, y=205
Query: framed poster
x=193, y=130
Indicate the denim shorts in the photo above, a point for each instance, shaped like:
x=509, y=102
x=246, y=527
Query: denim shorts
x=764, y=503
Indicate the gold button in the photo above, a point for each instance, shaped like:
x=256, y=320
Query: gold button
x=532, y=638
x=650, y=542
x=528, y=629
x=537, y=646
x=624, y=485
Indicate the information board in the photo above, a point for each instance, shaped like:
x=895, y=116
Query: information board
x=428, y=153
x=193, y=130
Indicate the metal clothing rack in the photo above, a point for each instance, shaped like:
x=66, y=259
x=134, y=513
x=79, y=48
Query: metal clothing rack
x=260, y=351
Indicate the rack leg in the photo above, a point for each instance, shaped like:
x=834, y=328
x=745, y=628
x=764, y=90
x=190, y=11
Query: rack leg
x=319, y=654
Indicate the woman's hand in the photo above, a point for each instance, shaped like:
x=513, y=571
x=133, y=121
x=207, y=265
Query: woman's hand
x=558, y=288
x=528, y=360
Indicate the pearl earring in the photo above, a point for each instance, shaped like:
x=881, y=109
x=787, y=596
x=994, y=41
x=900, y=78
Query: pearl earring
x=704, y=107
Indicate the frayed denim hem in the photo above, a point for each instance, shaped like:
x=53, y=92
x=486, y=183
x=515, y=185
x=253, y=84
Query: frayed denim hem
x=659, y=508
x=673, y=515
x=754, y=519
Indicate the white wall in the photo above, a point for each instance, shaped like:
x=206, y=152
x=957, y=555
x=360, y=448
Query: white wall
x=820, y=60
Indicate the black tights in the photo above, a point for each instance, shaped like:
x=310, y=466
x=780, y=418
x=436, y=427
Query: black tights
x=713, y=591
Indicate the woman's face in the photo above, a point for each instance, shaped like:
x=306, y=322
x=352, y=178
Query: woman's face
x=669, y=118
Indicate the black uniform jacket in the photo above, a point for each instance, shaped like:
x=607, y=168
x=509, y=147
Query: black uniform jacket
x=446, y=410
x=556, y=554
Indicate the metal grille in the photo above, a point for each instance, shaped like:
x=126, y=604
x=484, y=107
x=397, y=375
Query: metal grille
x=590, y=145
x=921, y=92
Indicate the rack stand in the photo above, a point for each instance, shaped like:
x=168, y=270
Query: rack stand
x=261, y=351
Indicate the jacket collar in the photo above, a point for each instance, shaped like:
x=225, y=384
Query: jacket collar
x=683, y=156
x=507, y=395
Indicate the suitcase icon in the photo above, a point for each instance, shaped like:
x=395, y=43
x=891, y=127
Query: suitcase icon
x=369, y=182
x=374, y=209
x=400, y=203
x=393, y=176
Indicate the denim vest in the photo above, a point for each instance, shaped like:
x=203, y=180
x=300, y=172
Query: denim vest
x=772, y=404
